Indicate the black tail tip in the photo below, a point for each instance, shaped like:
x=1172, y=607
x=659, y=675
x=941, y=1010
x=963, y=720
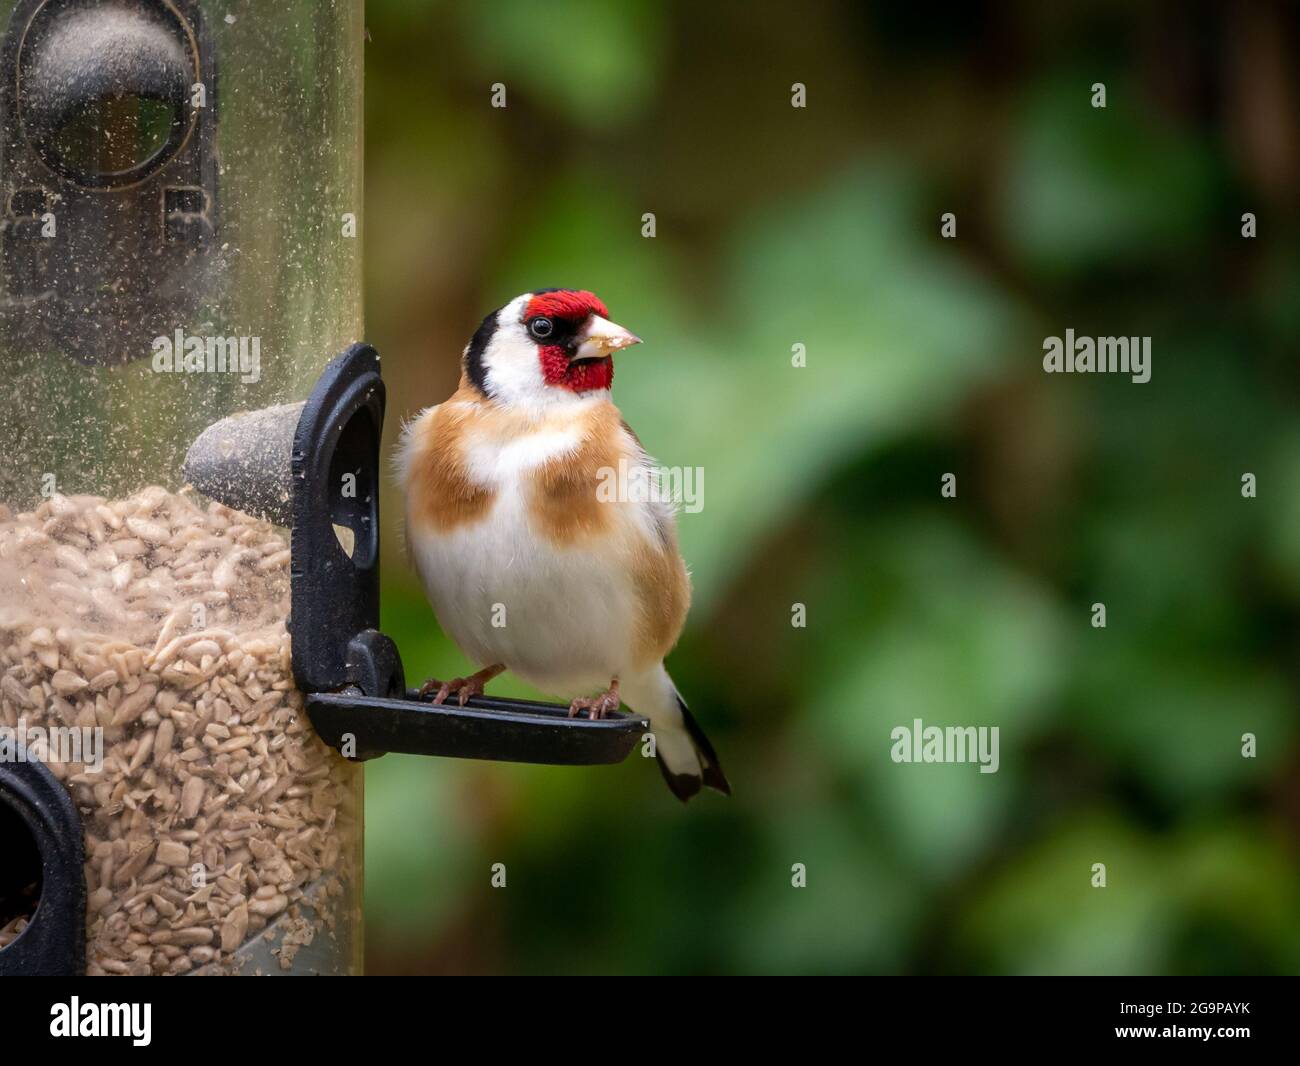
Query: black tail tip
x=685, y=786
x=716, y=779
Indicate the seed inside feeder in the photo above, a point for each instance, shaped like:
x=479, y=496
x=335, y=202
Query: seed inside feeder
x=217, y=815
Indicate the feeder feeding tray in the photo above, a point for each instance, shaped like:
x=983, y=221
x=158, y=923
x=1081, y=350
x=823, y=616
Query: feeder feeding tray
x=314, y=467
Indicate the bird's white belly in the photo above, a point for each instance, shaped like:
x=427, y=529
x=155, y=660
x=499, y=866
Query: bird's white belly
x=561, y=618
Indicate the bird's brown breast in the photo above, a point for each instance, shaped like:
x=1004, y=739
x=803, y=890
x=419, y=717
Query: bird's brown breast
x=562, y=500
x=562, y=503
x=441, y=494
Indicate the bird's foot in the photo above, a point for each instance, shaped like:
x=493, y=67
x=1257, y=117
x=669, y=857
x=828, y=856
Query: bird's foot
x=597, y=707
x=464, y=687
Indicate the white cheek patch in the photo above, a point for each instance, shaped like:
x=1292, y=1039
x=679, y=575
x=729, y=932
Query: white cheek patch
x=512, y=367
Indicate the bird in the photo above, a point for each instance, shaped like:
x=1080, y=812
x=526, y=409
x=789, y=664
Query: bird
x=529, y=566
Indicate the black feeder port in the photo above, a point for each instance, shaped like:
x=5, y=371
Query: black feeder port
x=314, y=467
x=44, y=848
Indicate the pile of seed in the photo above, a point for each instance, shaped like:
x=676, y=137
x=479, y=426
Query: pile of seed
x=24, y=903
x=9, y=932
x=218, y=815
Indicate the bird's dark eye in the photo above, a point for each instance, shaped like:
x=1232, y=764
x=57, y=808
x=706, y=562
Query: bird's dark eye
x=541, y=328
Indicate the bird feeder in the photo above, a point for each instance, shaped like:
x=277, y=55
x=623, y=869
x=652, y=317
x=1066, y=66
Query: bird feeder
x=192, y=669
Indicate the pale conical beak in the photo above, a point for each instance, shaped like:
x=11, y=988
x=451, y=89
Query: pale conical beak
x=601, y=337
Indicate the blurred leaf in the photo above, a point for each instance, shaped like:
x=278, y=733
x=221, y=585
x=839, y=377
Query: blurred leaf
x=596, y=62
x=1039, y=914
x=1176, y=723
x=413, y=879
x=1089, y=186
x=1226, y=887
x=962, y=642
x=855, y=913
x=1279, y=484
x=1238, y=889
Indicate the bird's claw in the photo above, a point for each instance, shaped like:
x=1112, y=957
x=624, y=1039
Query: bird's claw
x=464, y=687
x=597, y=707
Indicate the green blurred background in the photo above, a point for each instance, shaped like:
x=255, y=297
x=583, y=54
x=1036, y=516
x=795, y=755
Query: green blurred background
x=820, y=226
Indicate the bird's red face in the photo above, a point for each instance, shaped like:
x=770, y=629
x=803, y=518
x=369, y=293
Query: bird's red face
x=554, y=320
x=545, y=345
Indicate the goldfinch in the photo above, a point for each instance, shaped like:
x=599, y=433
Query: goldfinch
x=528, y=565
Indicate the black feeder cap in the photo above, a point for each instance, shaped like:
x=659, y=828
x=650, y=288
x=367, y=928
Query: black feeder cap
x=109, y=203
x=314, y=467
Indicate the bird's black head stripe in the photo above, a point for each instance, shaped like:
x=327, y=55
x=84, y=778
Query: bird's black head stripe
x=478, y=343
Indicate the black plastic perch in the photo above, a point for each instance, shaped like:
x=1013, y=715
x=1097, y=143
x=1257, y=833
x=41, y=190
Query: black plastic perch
x=486, y=728
x=314, y=467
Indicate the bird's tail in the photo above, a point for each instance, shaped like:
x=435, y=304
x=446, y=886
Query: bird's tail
x=686, y=758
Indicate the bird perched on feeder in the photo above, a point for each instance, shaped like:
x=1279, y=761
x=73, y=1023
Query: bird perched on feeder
x=530, y=565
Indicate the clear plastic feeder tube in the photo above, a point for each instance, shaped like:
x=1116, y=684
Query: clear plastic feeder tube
x=180, y=189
